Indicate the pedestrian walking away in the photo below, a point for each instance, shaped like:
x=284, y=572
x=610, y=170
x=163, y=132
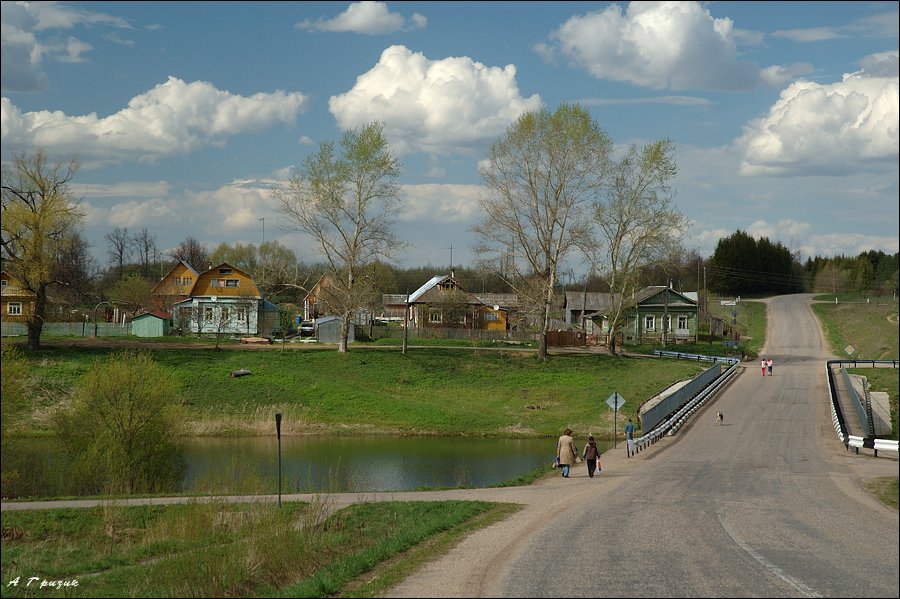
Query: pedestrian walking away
x=769, y=365
x=763, y=364
x=566, y=452
x=591, y=455
x=629, y=438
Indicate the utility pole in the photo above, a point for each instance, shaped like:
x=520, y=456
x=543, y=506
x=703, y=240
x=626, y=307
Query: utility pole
x=406, y=321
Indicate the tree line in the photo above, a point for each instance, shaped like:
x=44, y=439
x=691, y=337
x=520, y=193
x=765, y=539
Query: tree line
x=742, y=265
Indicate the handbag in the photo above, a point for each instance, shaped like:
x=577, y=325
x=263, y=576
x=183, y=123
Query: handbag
x=577, y=460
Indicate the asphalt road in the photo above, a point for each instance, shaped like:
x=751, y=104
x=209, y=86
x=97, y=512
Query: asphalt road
x=768, y=504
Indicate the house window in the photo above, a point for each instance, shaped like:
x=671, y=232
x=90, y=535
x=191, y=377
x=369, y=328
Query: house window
x=241, y=314
x=184, y=281
x=435, y=317
x=668, y=322
x=225, y=314
x=650, y=323
x=224, y=271
x=232, y=283
x=3, y=282
x=490, y=316
x=682, y=322
x=208, y=314
x=14, y=308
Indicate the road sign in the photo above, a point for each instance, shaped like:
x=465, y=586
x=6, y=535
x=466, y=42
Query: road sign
x=849, y=349
x=615, y=401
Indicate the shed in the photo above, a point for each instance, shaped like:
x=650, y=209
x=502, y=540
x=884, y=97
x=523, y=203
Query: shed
x=328, y=330
x=154, y=323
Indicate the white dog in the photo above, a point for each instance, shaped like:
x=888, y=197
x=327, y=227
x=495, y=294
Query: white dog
x=720, y=418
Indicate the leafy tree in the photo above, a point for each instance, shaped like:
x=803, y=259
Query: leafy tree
x=639, y=224
x=39, y=215
x=122, y=425
x=542, y=176
x=742, y=265
x=347, y=203
x=132, y=293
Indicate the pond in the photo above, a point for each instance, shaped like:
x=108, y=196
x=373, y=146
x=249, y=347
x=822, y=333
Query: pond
x=310, y=464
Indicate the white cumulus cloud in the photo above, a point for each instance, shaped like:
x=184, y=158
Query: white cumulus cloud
x=174, y=117
x=370, y=18
x=435, y=106
x=440, y=203
x=659, y=45
x=829, y=128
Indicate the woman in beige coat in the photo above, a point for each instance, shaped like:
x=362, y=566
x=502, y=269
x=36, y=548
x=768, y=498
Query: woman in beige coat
x=565, y=452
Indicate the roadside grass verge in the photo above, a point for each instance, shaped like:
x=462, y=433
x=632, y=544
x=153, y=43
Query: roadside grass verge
x=886, y=489
x=871, y=328
x=216, y=549
x=428, y=391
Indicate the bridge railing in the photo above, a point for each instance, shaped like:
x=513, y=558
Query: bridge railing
x=839, y=420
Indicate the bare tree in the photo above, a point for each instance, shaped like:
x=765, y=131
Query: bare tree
x=145, y=246
x=76, y=270
x=348, y=204
x=542, y=175
x=193, y=252
x=640, y=226
x=38, y=215
x=119, y=248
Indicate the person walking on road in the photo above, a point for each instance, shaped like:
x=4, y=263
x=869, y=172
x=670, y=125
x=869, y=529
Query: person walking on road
x=629, y=438
x=763, y=364
x=769, y=366
x=591, y=455
x=566, y=452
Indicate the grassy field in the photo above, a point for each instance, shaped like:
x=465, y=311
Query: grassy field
x=228, y=550
x=871, y=328
x=428, y=391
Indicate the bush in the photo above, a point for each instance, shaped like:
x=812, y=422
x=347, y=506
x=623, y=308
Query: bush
x=121, y=428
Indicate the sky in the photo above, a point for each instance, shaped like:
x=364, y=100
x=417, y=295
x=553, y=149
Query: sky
x=184, y=115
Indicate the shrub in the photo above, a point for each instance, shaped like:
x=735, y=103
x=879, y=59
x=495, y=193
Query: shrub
x=121, y=427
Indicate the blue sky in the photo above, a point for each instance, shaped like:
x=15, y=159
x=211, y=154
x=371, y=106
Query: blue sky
x=184, y=114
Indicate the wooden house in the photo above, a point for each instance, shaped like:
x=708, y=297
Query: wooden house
x=175, y=287
x=17, y=303
x=441, y=303
x=662, y=314
x=315, y=303
x=224, y=299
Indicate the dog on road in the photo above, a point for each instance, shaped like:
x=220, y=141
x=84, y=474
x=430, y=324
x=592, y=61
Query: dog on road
x=720, y=418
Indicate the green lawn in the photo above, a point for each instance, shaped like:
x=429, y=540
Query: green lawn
x=229, y=550
x=428, y=391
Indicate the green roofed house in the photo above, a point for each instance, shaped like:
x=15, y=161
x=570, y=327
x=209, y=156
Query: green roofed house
x=150, y=324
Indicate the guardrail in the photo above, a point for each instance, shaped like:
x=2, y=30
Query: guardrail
x=698, y=357
x=675, y=422
x=837, y=417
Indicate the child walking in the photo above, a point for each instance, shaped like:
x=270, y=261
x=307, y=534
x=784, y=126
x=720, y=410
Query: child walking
x=591, y=455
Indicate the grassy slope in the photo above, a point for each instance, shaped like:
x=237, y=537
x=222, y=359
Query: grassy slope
x=428, y=391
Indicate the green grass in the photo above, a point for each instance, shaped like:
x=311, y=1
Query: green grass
x=428, y=391
x=886, y=489
x=871, y=328
x=883, y=379
x=214, y=549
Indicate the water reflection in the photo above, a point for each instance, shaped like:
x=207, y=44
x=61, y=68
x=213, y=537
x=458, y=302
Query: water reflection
x=311, y=464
